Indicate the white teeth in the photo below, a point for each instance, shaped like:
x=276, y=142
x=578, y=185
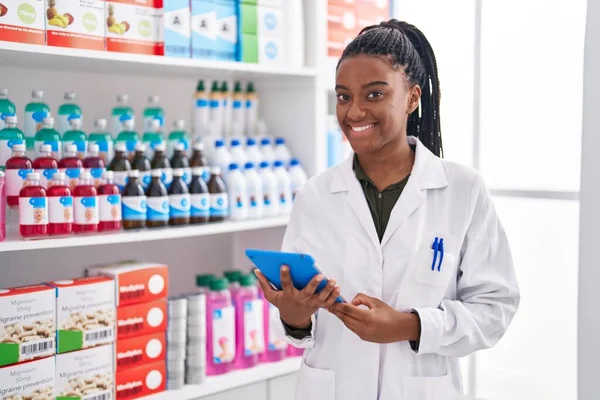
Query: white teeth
x=362, y=128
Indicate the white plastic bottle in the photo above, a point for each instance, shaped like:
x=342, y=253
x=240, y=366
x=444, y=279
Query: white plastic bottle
x=268, y=154
x=253, y=152
x=282, y=153
x=298, y=176
x=254, y=189
x=238, y=155
x=270, y=191
x=221, y=157
x=284, y=188
x=237, y=191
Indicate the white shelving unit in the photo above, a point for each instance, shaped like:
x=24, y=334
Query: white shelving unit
x=292, y=103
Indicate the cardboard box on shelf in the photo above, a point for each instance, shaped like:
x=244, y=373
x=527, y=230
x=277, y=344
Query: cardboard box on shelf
x=76, y=23
x=177, y=29
x=22, y=21
x=140, y=350
x=135, y=282
x=270, y=50
x=204, y=29
x=85, y=312
x=141, y=319
x=27, y=323
x=86, y=374
x=135, y=26
x=142, y=381
x=30, y=380
x=227, y=30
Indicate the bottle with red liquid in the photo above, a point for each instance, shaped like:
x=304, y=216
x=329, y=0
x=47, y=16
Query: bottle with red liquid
x=46, y=165
x=109, y=204
x=85, y=205
x=60, y=206
x=17, y=168
x=94, y=164
x=71, y=165
x=33, y=208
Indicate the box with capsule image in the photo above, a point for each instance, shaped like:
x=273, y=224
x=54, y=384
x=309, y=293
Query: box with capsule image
x=22, y=21
x=135, y=26
x=29, y=380
x=85, y=312
x=86, y=374
x=27, y=323
x=76, y=23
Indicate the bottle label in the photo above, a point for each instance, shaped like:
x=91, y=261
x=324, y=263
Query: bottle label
x=275, y=342
x=200, y=205
x=33, y=122
x=145, y=179
x=223, y=322
x=253, y=328
x=85, y=210
x=134, y=208
x=158, y=208
x=46, y=176
x=81, y=147
x=187, y=176
x=219, y=205
x=110, y=207
x=73, y=175
x=179, y=205
x=237, y=104
x=15, y=180
x=55, y=145
x=167, y=177
x=96, y=175
x=33, y=211
x=121, y=179
x=201, y=103
x=206, y=174
x=60, y=210
x=6, y=149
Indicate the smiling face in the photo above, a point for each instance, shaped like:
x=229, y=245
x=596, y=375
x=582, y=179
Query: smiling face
x=374, y=101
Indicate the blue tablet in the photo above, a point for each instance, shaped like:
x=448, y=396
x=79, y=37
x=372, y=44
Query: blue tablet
x=302, y=268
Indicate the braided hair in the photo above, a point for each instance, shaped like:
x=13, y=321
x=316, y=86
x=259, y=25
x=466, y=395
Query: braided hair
x=405, y=46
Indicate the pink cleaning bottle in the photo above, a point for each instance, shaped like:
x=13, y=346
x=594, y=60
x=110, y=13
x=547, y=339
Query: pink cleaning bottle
x=275, y=348
x=294, y=351
x=220, y=328
x=249, y=325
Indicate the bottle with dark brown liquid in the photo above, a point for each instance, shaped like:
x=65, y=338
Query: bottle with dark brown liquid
x=160, y=161
x=180, y=160
x=219, y=201
x=199, y=159
x=120, y=166
x=200, y=198
x=134, y=202
x=179, y=200
x=158, y=202
x=142, y=164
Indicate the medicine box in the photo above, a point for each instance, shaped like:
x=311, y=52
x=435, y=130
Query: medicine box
x=22, y=21
x=135, y=26
x=85, y=312
x=86, y=374
x=227, y=30
x=76, y=23
x=204, y=29
x=141, y=319
x=177, y=28
x=30, y=380
x=142, y=381
x=140, y=350
x=135, y=282
x=27, y=323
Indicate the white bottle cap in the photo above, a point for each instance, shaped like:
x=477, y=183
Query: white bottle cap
x=86, y=176
x=59, y=176
x=156, y=173
x=155, y=124
x=100, y=123
x=134, y=173
x=215, y=170
x=180, y=146
x=37, y=94
x=10, y=119
x=122, y=98
x=71, y=149
x=48, y=121
x=140, y=147
x=4, y=92
x=34, y=176
x=198, y=146
x=70, y=96
x=46, y=149
x=179, y=124
x=178, y=172
x=154, y=99
x=160, y=147
x=128, y=124
x=108, y=175
x=75, y=123
x=120, y=147
x=19, y=148
x=93, y=149
x=198, y=171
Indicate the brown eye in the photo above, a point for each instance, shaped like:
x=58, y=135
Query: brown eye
x=374, y=95
x=343, y=97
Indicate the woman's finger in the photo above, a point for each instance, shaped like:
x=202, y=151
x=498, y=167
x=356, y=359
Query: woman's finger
x=309, y=290
x=265, y=286
x=332, y=297
x=322, y=296
x=286, y=279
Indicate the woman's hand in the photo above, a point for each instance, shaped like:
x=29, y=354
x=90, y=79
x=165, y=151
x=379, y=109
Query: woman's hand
x=378, y=322
x=297, y=306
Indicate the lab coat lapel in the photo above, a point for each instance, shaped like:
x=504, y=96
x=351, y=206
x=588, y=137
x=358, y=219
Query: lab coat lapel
x=427, y=173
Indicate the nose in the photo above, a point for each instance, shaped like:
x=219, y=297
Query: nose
x=355, y=113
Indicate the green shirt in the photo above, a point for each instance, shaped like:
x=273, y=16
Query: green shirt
x=381, y=203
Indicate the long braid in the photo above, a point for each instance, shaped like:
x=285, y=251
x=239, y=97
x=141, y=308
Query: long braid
x=406, y=46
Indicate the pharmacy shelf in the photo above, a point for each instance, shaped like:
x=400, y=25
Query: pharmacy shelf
x=232, y=380
x=30, y=55
x=14, y=243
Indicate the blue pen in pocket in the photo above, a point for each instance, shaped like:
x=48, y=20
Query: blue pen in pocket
x=441, y=249
x=434, y=247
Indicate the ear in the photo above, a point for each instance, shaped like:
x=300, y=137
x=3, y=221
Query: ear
x=414, y=98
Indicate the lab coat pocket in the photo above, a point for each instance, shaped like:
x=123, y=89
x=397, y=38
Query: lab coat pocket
x=315, y=384
x=434, y=269
x=428, y=388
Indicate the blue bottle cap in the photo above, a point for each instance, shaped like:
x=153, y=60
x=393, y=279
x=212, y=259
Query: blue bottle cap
x=235, y=143
x=265, y=141
x=250, y=142
x=249, y=165
x=219, y=143
x=294, y=162
x=233, y=166
x=278, y=164
x=280, y=140
x=264, y=164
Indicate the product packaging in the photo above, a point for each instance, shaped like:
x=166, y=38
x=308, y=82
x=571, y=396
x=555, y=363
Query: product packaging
x=85, y=312
x=135, y=26
x=86, y=374
x=141, y=319
x=76, y=23
x=226, y=48
x=142, y=381
x=177, y=29
x=140, y=350
x=27, y=323
x=30, y=380
x=22, y=21
x=204, y=29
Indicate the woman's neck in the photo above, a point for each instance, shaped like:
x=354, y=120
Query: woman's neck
x=390, y=164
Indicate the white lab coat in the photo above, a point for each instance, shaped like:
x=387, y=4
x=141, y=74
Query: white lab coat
x=465, y=307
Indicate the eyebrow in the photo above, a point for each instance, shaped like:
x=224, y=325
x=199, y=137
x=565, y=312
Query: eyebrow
x=374, y=83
